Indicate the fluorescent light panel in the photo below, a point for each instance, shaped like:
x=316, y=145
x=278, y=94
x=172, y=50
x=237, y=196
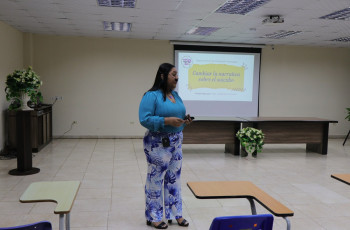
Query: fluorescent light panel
x=240, y=6
x=343, y=39
x=202, y=30
x=343, y=14
x=117, y=26
x=117, y=3
x=281, y=34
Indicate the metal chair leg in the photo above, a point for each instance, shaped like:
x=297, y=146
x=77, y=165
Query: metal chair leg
x=288, y=223
x=61, y=222
x=252, y=206
x=346, y=138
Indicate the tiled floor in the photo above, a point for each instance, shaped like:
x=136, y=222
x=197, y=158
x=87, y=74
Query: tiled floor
x=112, y=174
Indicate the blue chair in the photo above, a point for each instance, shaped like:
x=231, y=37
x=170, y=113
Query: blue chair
x=43, y=225
x=249, y=222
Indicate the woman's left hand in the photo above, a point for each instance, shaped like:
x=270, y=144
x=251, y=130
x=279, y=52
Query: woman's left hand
x=188, y=119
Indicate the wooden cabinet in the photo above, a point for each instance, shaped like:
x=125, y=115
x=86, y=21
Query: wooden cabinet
x=41, y=127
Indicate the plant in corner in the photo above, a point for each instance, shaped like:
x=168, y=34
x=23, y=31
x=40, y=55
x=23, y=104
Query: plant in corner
x=23, y=84
x=252, y=140
x=348, y=116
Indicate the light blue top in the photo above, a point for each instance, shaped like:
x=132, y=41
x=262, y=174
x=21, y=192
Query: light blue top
x=153, y=109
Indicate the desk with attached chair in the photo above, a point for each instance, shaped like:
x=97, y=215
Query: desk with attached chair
x=240, y=189
x=61, y=192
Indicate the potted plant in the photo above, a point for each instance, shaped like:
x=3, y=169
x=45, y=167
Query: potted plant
x=21, y=86
x=252, y=140
x=348, y=116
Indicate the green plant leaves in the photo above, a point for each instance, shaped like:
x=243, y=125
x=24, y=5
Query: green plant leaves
x=23, y=81
x=251, y=138
x=348, y=116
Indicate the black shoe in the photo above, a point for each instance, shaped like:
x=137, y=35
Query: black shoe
x=162, y=225
x=184, y=222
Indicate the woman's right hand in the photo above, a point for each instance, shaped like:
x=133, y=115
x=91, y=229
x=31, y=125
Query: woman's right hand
x=173, y=121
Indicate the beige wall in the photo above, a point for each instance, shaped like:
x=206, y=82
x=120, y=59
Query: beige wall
x=306, y=81
x=11, y=58
x=101, y=81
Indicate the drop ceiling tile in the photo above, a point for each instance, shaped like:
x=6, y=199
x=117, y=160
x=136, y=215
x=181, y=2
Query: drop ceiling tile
x=180, y=15
x=74, y=2
x=174, y=31
x=173, y=18
x=157, y=4
x=215, y=17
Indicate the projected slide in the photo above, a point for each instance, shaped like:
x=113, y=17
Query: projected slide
x=218, y=81
x=215, y=76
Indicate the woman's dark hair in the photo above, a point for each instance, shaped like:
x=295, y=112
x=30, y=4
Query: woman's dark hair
x=162, y=83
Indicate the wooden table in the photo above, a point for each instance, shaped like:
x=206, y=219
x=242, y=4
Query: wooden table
x=214, y=130
x=61, y=192
x=240, y=189
x=345, y=178
x=277, y=130
x=292, y=130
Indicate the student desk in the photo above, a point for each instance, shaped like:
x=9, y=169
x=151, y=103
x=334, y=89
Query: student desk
x=240, y=189
x=61, y=192
x=342, y=177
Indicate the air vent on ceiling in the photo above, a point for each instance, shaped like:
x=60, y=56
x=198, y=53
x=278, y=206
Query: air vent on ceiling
x=117, y=26
x=202, y=30
x=117, y=3
x=281, y=34
x=240, y=6
x=343, y=14
x=343, y=39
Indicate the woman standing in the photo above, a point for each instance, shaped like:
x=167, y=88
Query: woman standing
x=163, y=114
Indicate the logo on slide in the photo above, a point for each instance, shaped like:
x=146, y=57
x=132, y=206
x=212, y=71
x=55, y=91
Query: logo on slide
x=186, y=62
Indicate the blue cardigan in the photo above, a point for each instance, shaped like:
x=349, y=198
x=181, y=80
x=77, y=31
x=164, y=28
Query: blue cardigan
x=153, y=109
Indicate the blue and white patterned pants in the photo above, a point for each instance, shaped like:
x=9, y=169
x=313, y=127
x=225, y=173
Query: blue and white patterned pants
x=164, y=166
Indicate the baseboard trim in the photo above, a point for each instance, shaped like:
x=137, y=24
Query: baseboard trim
x=96, y=137
x=137, y=137
x=336, y=136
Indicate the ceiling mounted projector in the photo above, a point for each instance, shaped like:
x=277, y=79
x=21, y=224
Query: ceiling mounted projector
x=273, y=19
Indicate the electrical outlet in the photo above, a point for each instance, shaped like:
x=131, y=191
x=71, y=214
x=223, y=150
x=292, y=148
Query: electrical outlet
x=57, y=98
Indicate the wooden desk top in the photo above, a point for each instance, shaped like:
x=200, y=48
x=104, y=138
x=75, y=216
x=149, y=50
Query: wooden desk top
x=238, y=189
x=342, y=177
x=286, y=119
x=237, y=119
x=61, y=192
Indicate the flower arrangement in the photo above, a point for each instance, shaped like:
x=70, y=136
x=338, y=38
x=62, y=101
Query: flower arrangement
x=23, y=82
x=251, y=139
x=348, y=116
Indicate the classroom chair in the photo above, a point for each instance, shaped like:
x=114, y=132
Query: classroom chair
x=251, y=222
x=42, y=225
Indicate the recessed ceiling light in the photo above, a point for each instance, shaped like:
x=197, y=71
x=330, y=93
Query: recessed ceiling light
x=117, y=26
x=343, y=14
x=240, y=6
x=343, y=39
x=202, y=30
x=281, y=34
x=117, y=3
